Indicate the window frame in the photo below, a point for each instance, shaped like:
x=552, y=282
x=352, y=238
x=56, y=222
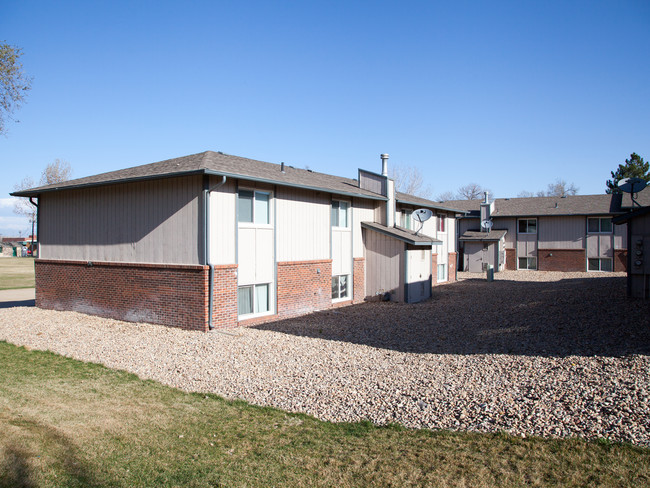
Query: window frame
x=440, y=224
x=347, y=297
x=527, y=258
x=527, y=231
x=600, y=225
x=256, y=313
x=338, y=213
x=255, y=192
x=446, y=273
x=407, y=218
x=600, y=265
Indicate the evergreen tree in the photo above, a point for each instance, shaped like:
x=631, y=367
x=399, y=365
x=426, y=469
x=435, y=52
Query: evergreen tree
x=634, y=167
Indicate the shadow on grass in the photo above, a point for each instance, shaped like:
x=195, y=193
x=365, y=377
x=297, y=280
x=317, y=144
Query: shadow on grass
x=583, y=317
x=16, y=466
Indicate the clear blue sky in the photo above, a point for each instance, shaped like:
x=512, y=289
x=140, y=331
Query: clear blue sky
x=510, y=95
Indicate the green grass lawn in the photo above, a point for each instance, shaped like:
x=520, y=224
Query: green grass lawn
x=16, y=273
x=68, y=423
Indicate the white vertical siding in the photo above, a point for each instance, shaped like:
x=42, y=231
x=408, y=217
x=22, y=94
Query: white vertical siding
x=303, y=224
x=155, y=221
x=223, y=225
x=561, y=232
x=341, y=251
x=526, y=245
x=363, y=211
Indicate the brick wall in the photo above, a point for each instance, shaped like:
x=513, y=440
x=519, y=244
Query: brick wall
x=224, y=293
x=452, y=267
x=620, y=260
x=561, y=260
x=434, y=269
x=359, y=280
x=304, y=287
x=173, y=295
x=511, y=258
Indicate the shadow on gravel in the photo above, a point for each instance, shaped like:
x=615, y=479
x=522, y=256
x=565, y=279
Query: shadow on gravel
x=18, y=303
x=582, y=317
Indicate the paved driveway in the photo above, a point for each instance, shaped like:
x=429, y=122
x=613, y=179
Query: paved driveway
x=22, y=297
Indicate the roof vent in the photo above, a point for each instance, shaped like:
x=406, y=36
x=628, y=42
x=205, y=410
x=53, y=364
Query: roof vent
x=563, y=196
x=555, y=204
x=282, y=166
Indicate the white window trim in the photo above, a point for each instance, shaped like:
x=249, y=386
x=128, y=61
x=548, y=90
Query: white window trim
x=349, y=216
x=527, y=233
x=347, y=298
x=527, y=257
x=600, y=270
x=253, y=225
x=444, y=223
x=254, y=315
x=599, y=226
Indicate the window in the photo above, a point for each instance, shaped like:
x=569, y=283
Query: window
x=442, y=272
x=599, y=264
x=599, y=225
x=527, y=226
x=527, y=263
x=340, y=212
x=340, y=287
x=254, y=207
x=253, y=299
x=441, y=223
x=406, y=218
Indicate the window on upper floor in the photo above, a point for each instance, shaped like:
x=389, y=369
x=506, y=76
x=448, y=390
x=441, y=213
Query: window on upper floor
x=441, y=223
x=254, y=207
x=599, y=225
x=340, y=213
x=527, y=226
x=407, y=220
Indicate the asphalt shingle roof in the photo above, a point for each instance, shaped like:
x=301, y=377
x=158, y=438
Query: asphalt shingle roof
x=549, y=206
x=218, y=163
x=402, y=234
x=477, y=235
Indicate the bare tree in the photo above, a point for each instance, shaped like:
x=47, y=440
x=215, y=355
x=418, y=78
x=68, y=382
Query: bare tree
x=448, y=195
x=13, y=83
x=55, y=172
x=409, y=179
x=471, y=191
x=558, y=189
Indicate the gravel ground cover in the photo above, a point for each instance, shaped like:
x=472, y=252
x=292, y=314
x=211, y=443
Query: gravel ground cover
x=532, y=353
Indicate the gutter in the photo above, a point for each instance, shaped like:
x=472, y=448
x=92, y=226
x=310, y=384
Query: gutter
x=206, y=241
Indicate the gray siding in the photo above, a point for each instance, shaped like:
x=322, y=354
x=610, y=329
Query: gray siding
x=384, y=265
x=372, y=182
x=156, y=221
x=561, y=232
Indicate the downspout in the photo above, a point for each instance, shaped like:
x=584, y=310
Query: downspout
x=38, y=221
x=206, y=244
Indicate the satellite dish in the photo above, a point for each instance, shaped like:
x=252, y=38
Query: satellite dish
x=487, y=224
x=422, y=214
x=632, y=186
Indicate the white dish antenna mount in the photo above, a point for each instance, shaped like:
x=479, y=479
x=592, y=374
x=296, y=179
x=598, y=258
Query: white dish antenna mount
x=632, y=186
x=487, y=225
x=421, y=215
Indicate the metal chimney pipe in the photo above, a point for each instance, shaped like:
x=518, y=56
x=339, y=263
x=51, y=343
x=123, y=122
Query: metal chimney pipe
x=486, y=198
x=384, y=164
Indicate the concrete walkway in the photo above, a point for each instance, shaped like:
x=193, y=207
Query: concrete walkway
x=22, y=297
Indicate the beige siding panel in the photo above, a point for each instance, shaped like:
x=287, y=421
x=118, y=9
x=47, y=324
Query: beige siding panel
x=264, y=263
x=303, y=224
x=451, y=234
x=363, y=211
x=223, y=225
x=509, y=225
x=155, y=221
x=372, y=182
x=246, y=256
x=561, y=232
x=468, y=224
x=341, y=252
x=384, y=265
x=620, y=236
x=600, y=246
x=526, y=245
